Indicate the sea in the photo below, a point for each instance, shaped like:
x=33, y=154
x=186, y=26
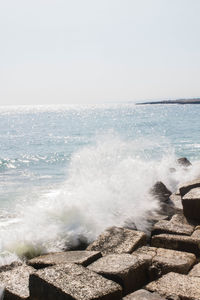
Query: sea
x=69, y=172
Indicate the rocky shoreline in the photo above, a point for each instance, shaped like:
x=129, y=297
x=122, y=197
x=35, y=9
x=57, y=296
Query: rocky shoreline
x=122, y=263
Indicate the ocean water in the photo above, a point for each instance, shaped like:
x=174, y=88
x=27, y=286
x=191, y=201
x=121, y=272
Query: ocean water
x=68, y=172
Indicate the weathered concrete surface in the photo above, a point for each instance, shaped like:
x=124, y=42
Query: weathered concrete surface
x=15, y=282
x=162, y=261
x=196, y=234
x=174, y=261
x=191, y=204
x=11, y=266
x=145, y=253
x=118, y=240
x=177, y=242
x=186, y=187
x=143, y=295
x=195, y=271
x=177, y=225
x=79, y=257
x=127, y=270
x=186, y=287
x=177, y=202
x=71, y=281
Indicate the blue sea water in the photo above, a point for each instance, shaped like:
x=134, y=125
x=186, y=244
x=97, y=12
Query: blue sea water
x=71, y=171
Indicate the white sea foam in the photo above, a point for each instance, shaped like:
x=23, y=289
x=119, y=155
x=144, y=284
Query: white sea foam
x=108, y=183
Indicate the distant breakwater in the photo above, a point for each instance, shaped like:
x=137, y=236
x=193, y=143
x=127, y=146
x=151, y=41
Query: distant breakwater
x=178, y=101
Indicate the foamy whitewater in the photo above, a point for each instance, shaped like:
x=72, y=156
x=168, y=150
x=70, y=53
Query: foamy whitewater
x=67, y=173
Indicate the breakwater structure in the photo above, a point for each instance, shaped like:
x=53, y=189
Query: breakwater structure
x=178, y=101
x=122, y=263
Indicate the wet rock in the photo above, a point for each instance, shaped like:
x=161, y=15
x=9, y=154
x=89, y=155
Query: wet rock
x=143, y=295
x=183, y=161
x=118, y=240
x=161, y=192
x=186, y=187
x=71, y=281
x=15, y=282
x=179, y=285
x=162, y=261
x=79, y=257
x=191, y=204
x=195, y=271
x=125, y=269
x=177, y=242
x=80, y=243
x=177, y=225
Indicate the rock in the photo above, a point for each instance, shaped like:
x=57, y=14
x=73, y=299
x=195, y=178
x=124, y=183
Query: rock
x=125, y=269
x=183, y=286
x=162, y=194
x=177, y=242
x=196, y=234
x=80, y=243
x=71, y=281
x=173, y=261
x=145, y=253
x=195, y=272
x=15, y=282
x=183, y=161
x=177, y=225
x=177, y=202
x=160, y=191
x=143, y=295
x=79, y=257
x=162, y=261
x=118, y=240
x=186, y=187
x=191, y=204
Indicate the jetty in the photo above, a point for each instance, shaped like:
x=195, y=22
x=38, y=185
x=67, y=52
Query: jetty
x=123, y=263
x=178, y=101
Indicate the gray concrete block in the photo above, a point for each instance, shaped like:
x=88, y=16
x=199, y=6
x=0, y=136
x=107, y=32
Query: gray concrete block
x=127, y=270
x=177, y=242
x=143, y=295
x=71, y=281
x=15, y=282
x=118, y=240
x=187, y=186
x=162, y=261
x=79, y=257
x=177, y=225
x=183, y=286
x=191, y=204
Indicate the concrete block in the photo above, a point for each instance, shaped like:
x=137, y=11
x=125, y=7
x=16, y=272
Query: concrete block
x=71, y=281
x=118, y=240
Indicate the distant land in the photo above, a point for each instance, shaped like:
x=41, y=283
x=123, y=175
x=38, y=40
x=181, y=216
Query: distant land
x=178, y=101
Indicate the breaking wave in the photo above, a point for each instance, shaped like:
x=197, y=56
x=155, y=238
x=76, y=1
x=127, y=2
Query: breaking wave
x=108, y=183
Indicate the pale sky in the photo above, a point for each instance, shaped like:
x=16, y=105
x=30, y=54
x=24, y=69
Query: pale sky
x=92, y=51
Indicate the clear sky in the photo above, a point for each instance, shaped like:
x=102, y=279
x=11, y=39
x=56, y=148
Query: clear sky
x=88, y=51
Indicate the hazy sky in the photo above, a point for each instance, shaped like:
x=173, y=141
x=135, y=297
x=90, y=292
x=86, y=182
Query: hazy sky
x=87, y=51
